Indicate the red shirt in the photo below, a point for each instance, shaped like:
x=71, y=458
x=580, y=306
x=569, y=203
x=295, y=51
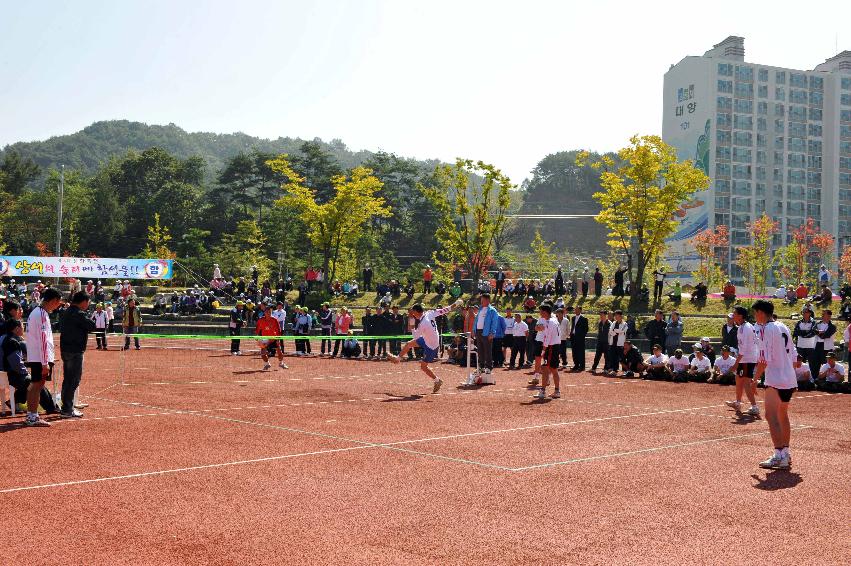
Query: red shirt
x=268, y=326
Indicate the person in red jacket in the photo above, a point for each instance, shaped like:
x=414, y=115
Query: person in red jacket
x=268, y=325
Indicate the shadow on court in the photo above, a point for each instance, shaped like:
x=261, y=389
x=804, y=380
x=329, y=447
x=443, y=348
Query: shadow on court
x=777, y=479
x=391, y=398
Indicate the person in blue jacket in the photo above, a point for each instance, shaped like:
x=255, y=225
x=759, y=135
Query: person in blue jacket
x=485, y=329
x=497, y=353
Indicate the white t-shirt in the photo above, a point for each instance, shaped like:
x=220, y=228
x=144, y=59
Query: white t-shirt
x=803, y=372
x=539, y=334
x=660, y=277
x=509, y=324
x=551, y=333
x=834, y=376
x=828, y=342
x=427, y=329
x=806, y=342
x=776, y=348
x=480, y=318
x=280, y=316
x=748, y=345
x=100, y=319
x=678, y=364
x=701, y=365
x=724, y=365
x=655, y=360
x=564, y=328
x=39, y=337
x=520, y=329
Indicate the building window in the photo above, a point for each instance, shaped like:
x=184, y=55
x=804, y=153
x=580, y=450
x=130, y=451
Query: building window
x=845, y=131
x=779, y=110
x=814, y=194
x=816, y=83
x=779, y=143
x=724, y=137
x=798, y=96
x=778, y=159
x=798, y=113
x=725, y=103
x=779, y=93
x=743, y=106
x=845, y=100
x=743, y=138
x=761, y=141
x=761, y=124
x=741, y=155
x=722, y=169
x=814, y=162
x=816, y=99
x=797, y=130
x=742, y=171
x=744, y=73
x=815, y=114
x=780, y=77
x=742, y=122
x=814, y=178
x=845, y=162
x=725, y=69
x=763, y=75
x=846, y=83
x=760, y=189
x=797, y=144
x=797, y=160
x=779, y=126
x=798, y=79
x=725, y=86
x=814, y=147
x=814, y=210
x=722, y=153
x=722, y=186
x=814, y=130
x=742, y=188
x=845, y=115
x=777, y=190
x=740, y=221
x=722, y=203
x=762, y=91
x=797, y=176
x=724, y=120
x=744, y=90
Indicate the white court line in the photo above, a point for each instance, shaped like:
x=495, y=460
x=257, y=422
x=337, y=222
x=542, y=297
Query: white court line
x=177, y=470
x=644, y=450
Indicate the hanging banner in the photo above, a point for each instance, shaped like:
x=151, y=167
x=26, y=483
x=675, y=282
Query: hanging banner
x=85, y=267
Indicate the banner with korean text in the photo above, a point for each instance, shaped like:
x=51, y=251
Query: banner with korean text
x=85, y=267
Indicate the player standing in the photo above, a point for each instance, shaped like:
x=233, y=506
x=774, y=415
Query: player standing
x=549, y=329
x=267, y=325
x=746, y=360
x=427, y=338
x=777, y=350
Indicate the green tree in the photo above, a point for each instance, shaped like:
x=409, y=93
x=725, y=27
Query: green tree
x=335, y=225
x=157, y=246
x=18, y=172
x=470, y=214
x=639, y=198
x=755, y=259
x=246, y=247
x=542, y=260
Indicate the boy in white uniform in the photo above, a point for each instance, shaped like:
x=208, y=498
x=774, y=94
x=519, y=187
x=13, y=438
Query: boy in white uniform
x=427, y=338
x=657, y=364
x=40, y=352
x=539, y=350
x=723, y=371
x=519, y=333
x=747, y=357
x=700, y=368
x=678, y=365
x=831, y=374
x=777, y=352
x=550, y=356
x=101, y=321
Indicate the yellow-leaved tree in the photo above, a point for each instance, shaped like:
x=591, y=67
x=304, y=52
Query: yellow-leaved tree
x=333, y=226
x=639, y=198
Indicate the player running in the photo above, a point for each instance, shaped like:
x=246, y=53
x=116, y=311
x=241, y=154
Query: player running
x=427, y=338
x=268, y=325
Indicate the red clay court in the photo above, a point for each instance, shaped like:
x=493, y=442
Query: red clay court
x=201, y=458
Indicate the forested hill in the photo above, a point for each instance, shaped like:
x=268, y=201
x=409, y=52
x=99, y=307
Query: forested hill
x=559, y=186
x=94, y=145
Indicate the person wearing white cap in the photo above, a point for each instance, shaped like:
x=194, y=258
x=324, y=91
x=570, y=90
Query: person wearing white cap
x=217, y=273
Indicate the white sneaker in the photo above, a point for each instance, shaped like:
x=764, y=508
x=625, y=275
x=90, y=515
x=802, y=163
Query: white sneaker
x=437, y=383
x=542, y=394
x=535, y=380
x=237, y=353
x=734, y=404
x=282, y=365
x=556, y=394
x=753, y=411
x=80, y=405
x=35, y=420
x=776, y=463
x=267, y=366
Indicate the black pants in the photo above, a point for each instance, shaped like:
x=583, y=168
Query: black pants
x=131, y=330
x=498, y=353
x=577, y=346
x=381, y=348
x=100, y=338
x=325, y=332
x=395, y=347
x=234, y=344
x=337, y=344
x=72, y=374
x=499, y=285
x=562, y=352
x=600, y=352
x=530, y=349
x=368, y=347
x=518, y=346
x=584, y=288
x=817, y=359
x=367, y=284
x=614, y=357
x=426, y=286
x=20, y=383
x=657, y=290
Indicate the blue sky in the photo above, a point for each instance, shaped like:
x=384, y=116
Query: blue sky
x=505, y=82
